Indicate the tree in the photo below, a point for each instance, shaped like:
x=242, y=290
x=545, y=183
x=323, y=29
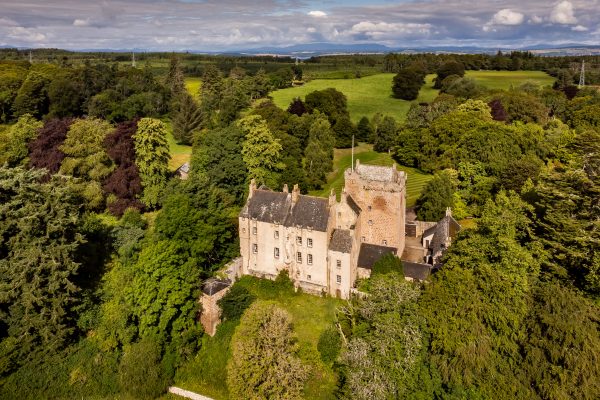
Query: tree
x=11, y=79
x=263, y=363
x=44, y=151
x=447, y=69
x=407, y=83
x=318, y=155
x=297, y=107
x=175, y=78
x=39, y=242
x=436, y=197
x=498, y=111
x=187, y=119
x=32, y=97
x=124, y=183
x=152, y=158
x=261, y=151
x=235, y=302
x=466, y=88
x=86, y=159
x=330, y=102
x=385, y=135
x=364, y=131
x=140, y=372
x=19, y=136
x=344, y=130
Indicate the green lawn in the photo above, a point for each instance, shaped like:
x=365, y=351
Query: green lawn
x=193, y=85
x=372, y=94
x=206, y=374
x=180, y=153
x=416, y=179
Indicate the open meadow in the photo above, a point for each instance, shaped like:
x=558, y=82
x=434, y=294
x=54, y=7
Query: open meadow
x=372, y=94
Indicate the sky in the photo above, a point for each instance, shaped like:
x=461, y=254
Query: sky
x=225, y=25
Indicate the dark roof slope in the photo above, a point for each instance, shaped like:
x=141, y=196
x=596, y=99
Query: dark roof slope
x=355, y=207
x=267, y=206
x=309, y=212
x=447, y=227
x=371, y=253
x=212, y=286
x=416, y=270
x=341, y=241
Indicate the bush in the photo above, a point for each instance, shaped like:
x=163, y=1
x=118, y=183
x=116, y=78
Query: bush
x=140, y=372
x=329, y=344
x=388, y=264
x=235, y=302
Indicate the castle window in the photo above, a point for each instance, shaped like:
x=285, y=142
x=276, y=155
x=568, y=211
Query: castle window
x=254, y=230
x=255, y=248
x=385, y=242
x=338, y=263
x=338, y=279
x=299, y=240
x=244, y=230
x=299, y=257
x=309, y=242
x=308, y=277
x=309, y=259
x=370, y=222
x=276, y=252
x=276, y=234
x=369, y=208
x=362, y=238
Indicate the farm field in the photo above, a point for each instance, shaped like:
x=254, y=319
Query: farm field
x=372, y=94
x=415, y=183
x=206, y=374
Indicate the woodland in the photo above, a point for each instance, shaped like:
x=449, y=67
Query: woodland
x=103, y=248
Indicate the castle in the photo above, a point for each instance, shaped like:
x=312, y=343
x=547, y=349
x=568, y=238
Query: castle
x=325, y=244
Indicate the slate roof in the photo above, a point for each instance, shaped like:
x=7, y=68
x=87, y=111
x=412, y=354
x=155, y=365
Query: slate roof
x=276, y=208
x=355, y=207
x=371, y=253
x=341, y=241
x=309, y=212
x=213, y=286
x=267, y=206
x=416, y=270
x=185, y=168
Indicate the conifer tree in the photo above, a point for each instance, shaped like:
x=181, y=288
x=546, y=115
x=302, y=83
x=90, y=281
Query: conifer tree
x=187, y=119
x=152, y=158
x=261, y=151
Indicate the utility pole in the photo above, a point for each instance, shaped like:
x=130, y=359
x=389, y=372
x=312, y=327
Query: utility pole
x=582, y=76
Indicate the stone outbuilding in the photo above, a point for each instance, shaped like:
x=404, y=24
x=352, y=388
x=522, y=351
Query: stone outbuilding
x=213, y=290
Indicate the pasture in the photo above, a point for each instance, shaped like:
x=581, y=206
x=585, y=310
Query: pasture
x=372, y=94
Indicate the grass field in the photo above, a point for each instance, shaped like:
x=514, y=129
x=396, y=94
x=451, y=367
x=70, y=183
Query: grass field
x=342, y=159
x=179, y=153
x=206, y=374
x=372, y=94
x=193, y=86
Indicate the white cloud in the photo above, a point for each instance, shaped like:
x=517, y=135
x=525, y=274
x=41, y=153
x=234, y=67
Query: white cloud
x=7, y=22
x=563, y=14
x=317, y=14
x=536, y=19
x=28, y=35
x=579, y=28
x=81, y=22
x=507, y=17
x=388, y=31
x=311, y=29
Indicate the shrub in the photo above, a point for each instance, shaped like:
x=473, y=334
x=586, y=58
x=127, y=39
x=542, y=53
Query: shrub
x=329, y=344
x=140, y=372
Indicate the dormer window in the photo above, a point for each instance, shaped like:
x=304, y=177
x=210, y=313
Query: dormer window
x=276, y=234
x=254, y=230
x=309, y=242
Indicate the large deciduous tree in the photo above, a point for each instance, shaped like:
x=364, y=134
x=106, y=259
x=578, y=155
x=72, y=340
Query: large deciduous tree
x=19, y=136
x=44, y=151
x=318, y=155
x=152, y=158
x=263, y=363
x=447, y=69
x=32, y=97
x=86, y=158
x=407, y=83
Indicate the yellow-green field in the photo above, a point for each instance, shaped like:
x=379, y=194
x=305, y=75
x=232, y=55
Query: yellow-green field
x=193, y=86
x=416, y=179
x=180, y=153
x=372, y=94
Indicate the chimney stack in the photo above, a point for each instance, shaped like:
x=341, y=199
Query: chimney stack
x=252, y=188
x=448, y=212
x=285, y=188
x=295, y=194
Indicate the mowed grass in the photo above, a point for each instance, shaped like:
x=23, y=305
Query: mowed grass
x=207, y=372
x=180, y=153
x=415, y=182
x=193, y=86
x=369, y=95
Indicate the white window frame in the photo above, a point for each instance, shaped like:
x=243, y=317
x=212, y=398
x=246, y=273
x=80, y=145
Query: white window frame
x=309, y=242
x=254, y=230
x=299, y=257
x=299, y=240
x=338, y=278
x=276, y=252
x=276, y=234
x=255, y=248
x=338, y=264
x=309, y=259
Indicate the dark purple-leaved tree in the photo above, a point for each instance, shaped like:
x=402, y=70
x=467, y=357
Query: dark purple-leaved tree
x=44, y=151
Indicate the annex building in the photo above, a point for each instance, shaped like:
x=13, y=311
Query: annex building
x=324, y=244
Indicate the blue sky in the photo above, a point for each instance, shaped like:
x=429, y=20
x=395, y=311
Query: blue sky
x=233, y=24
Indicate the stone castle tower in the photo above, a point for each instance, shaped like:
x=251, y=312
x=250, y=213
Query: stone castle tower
x=380, y=192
